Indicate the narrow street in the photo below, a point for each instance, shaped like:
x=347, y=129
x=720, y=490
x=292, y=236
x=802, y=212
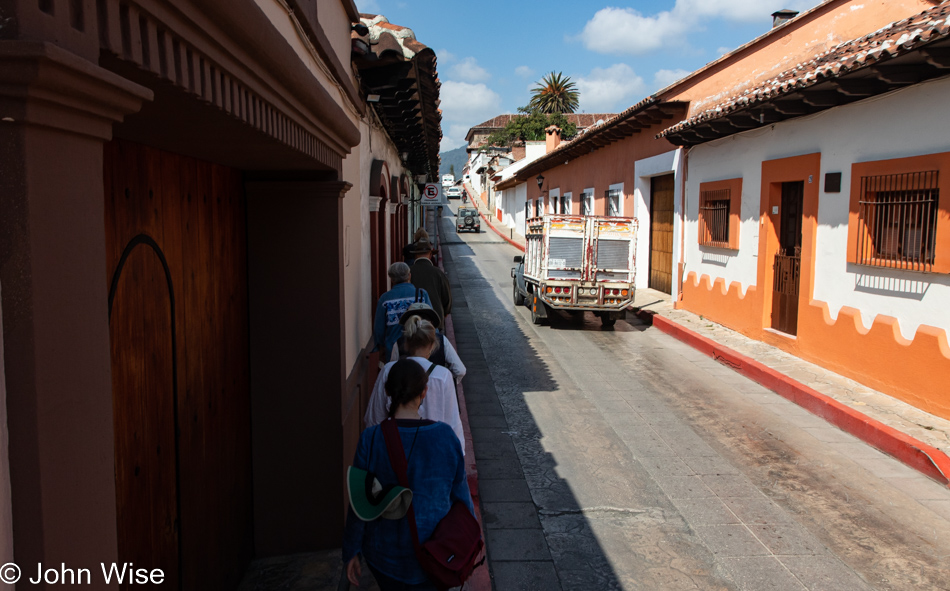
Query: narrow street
x=624, y=459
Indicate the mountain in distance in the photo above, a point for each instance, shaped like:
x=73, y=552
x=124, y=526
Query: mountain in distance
x=458, y=157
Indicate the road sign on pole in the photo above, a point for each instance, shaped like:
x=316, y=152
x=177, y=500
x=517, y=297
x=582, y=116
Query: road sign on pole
x=432, y=193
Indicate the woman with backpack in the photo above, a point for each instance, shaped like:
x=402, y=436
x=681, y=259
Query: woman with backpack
x=434, y=471
x=441, y=403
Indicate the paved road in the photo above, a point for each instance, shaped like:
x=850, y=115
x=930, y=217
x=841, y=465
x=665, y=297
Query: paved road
x=626, y=460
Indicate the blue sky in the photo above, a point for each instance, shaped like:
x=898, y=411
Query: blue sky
x=491, y=53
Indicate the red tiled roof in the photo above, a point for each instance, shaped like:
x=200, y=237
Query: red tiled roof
x=895, y=39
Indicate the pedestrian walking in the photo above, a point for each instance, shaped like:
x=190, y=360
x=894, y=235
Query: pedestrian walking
x=444, y=353
x=441, y=403
x=407, y=253
x=431, y=278
x=391, y=306
x=435, y=470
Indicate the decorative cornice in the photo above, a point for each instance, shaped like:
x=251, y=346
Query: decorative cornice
x=374, y=203
x=43, y=84
x=212, y=49
x=390, y=208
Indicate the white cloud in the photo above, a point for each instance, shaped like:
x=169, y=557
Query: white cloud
x=464, y=105
x=627, y=31
x=369, y=6
x=524, y=71
x=445, y=56
x=607, y=90
x=468, y=70
x=664, y=78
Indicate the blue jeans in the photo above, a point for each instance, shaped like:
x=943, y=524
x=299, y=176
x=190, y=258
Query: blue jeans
x=389, y=584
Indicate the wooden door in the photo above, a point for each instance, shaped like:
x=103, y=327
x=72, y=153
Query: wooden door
x=788, y=260
x=661, y=233
x=175, y=236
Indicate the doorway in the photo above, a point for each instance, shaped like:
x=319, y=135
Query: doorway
x=661, y=233
x=788, y=260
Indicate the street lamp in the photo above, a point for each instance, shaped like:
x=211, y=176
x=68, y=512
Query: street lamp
x=540, y=181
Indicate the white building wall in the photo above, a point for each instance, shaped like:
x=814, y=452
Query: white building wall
x=908, y=122
x=521, y=197
x=644, y=170
x=357, y=281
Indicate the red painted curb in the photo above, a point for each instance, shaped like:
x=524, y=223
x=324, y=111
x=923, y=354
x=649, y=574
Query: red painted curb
x=918, y=455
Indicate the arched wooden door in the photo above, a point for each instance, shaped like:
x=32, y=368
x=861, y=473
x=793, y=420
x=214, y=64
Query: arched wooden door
x=142, y=337
x=177, y=265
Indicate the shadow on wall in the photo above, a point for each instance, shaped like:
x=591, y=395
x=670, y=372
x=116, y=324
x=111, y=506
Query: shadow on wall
x=566, y=529
x=894, y=282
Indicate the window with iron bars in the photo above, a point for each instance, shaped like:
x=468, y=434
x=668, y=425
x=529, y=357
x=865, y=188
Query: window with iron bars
x=898, y=217
x=587, y=203
x=539, y=207
x=613, y=202
x=714, y=217
x=565, y=208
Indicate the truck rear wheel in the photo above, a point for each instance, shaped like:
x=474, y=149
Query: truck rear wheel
x=607, y=321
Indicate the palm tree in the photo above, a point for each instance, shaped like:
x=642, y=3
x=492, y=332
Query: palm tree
x=554, y=94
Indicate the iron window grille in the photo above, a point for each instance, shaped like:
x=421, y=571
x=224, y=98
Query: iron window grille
x=714, y=217
x=613, y=202
x=587, y=203
x=539, y=207
x=897, y=214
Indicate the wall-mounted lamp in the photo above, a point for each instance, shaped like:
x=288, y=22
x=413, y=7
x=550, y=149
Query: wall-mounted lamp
x=540, y=181
x=372, y=98
x=404, y=156
x=361, y=29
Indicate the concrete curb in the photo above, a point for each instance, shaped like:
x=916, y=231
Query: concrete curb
x=916, y=454
x=492, y=226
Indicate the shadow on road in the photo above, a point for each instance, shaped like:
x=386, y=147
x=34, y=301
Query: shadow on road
x=538, y=535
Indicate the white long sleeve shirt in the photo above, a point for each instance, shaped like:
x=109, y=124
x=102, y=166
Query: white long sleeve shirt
x=452, y=360
x=440, y=403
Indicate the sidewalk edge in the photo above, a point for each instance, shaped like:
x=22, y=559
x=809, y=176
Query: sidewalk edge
x=481, y=577
x=912, y=452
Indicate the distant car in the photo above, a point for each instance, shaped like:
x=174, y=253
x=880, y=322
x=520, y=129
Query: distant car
x=453, y=193
x=468, y=220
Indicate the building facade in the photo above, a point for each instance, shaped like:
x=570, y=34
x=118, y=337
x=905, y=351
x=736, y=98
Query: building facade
x=186, y=220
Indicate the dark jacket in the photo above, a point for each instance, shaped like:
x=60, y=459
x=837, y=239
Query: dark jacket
x=430, y=278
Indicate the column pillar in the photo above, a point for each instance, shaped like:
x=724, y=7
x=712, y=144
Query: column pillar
x=56, y=111
x=296, y=320
x=375, y=263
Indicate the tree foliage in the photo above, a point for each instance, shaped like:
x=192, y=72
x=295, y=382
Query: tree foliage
x=529, y=125
x=555, y=94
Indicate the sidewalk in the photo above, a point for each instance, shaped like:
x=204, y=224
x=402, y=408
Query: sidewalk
x=913, y=436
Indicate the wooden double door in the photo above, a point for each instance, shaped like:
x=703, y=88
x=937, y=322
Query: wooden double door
x=176, y=262
x=661, y=233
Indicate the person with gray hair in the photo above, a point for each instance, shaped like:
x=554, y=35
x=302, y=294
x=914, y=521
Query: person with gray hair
x=392, y=305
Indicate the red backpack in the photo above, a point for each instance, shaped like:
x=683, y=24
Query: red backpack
x=449, y=556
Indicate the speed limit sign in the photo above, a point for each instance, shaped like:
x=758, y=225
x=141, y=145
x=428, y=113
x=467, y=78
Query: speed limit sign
x=432, y=192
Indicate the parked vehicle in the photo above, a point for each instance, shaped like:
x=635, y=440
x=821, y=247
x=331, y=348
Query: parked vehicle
x=468, y=220
x=453, y=193
x=577, y=263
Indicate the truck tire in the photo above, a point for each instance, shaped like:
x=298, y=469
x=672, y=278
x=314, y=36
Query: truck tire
x=535, y=317
x=607, y=321
x=518, y=298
